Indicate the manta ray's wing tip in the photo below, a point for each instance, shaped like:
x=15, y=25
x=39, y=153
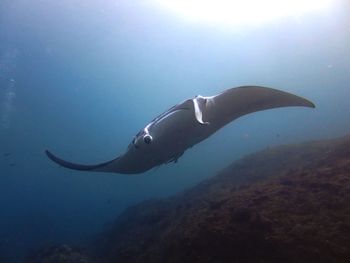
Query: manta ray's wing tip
x=101, y=167
x=50, y=155
x=311, y=104
x=55, y=159
x=70, y=165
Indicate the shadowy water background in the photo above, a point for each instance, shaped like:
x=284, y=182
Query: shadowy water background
x=82, y=77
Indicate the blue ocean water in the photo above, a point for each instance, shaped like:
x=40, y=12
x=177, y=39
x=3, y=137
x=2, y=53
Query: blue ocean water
x=83, y=77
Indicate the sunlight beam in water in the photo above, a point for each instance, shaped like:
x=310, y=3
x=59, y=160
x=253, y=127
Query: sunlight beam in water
x=237, y=12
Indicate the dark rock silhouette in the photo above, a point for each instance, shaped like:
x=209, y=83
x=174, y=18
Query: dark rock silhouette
x=283, y=204
x=59, y=254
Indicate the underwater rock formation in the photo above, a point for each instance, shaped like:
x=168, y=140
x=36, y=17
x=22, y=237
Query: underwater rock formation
x=284, y=204
x=58, y=254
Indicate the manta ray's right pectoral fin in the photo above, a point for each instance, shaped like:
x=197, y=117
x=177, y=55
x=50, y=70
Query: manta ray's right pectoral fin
x=236, y=102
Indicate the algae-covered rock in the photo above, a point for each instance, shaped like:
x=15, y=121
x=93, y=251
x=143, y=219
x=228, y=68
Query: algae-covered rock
x=284, y=204
x=58, y=254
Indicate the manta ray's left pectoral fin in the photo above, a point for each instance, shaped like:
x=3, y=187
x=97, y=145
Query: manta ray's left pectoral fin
x=101, y=167
x=199, y=103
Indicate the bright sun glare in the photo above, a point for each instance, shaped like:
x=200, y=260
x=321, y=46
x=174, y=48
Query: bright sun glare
x=231, y=12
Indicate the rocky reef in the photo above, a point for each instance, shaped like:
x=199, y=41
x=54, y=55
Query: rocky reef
x=59, y=254
x=284, y=204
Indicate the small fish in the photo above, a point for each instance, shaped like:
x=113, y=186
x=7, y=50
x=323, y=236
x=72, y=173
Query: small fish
x=7, y=154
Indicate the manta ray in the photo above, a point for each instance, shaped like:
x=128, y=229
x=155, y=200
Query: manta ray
x=170, y=134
